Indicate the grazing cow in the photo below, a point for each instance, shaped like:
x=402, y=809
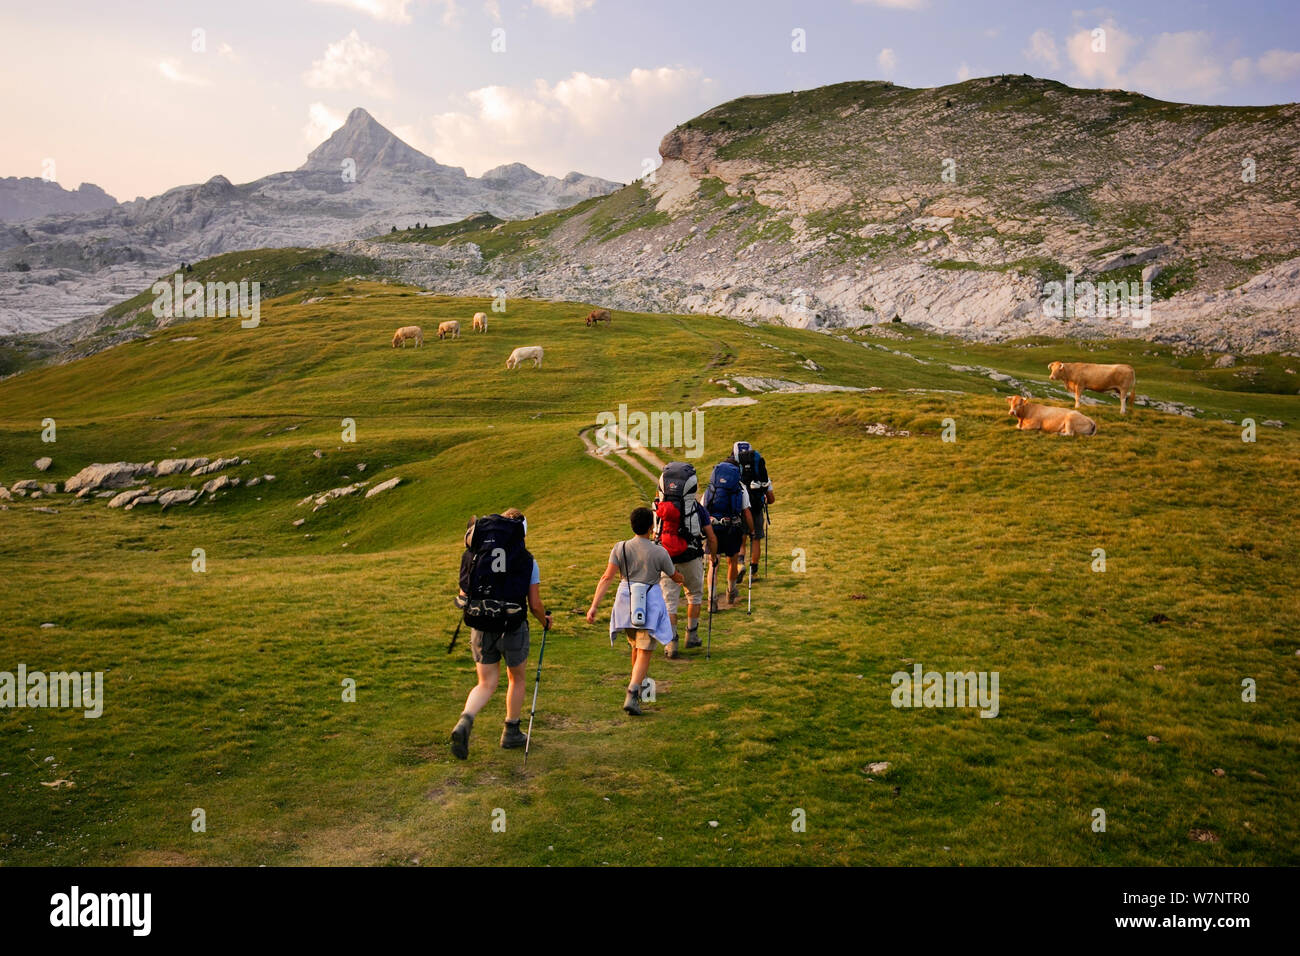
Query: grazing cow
x=451, y=328
x=523, y=354
x=1063, y=421
x=1079, y=376
x=408, y=332
x=596, y=316
x=480, y=322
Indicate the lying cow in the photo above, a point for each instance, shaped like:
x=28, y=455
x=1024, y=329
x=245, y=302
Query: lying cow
x=408, y=332
x=480, y=322
x=1080, y=376
x=596, y=316
x=1063, y=421
x=523, y=354
x=451, y=328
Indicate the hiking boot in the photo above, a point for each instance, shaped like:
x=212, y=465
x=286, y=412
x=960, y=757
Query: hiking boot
x=460, y=737
x=693, y=637
x=512, y=738
x=671, y=651
x=633, y=702
x=753, y=570
x=733, y=594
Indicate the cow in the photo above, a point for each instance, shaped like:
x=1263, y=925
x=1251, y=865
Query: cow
x=1081, y=376
x=523, y=354
x=451, y=328
x=408, y=332
x=480, y=322
x=596, y=316
x=1050, y=418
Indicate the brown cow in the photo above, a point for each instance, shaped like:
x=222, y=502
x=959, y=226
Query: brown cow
x=1063, y=421
x=596, y=316
x=451, y=327
x=1079, y=376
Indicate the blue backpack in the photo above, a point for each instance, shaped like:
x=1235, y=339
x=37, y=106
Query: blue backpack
x=724, y=497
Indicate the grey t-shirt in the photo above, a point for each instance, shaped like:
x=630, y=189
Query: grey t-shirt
x=641, y=560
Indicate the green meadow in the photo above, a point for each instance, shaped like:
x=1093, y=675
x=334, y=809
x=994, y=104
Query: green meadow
x=1119, y=689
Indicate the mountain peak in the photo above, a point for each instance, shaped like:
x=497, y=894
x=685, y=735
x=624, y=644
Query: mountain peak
x=370, y=146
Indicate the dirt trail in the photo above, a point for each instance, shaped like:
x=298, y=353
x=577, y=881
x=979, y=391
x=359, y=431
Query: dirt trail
x=635, y=456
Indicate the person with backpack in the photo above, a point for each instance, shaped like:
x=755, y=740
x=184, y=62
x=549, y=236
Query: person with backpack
x=727, y=501
x=500, y=583
x=685, y=531
x=753, y=475
x=639, y=609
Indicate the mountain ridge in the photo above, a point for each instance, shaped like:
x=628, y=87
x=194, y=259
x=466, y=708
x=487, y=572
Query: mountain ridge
x=61, y=268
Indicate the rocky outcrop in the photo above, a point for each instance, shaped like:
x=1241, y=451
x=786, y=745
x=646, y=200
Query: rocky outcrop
x=177, y=496
x=118, y=474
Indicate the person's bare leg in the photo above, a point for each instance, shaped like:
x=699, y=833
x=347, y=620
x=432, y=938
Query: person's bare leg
x=640, y=667
x=488, y=677
x=518, y=685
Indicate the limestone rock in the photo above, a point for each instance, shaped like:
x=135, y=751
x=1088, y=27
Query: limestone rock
x=383, y=486
x=177, y=496
x=126, y=497
x=43, y=464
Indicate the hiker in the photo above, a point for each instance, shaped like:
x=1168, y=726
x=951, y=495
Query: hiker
x=684, y=529
x=639, y=608
x=498, y=577
x=753, y=475
x=727, y=501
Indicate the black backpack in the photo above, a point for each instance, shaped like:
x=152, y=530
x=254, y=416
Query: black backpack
x=753, y=469
x=496, y=572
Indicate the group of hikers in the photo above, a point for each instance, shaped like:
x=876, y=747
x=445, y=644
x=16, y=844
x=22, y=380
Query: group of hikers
x=675, y=547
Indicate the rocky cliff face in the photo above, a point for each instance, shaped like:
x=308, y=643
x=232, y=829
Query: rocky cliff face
x=361, y=181
x=952, y=208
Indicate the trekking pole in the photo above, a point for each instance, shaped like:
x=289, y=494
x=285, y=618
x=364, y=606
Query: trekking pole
x=536, y=684
x=767, y=536
x=455, y=634
x=713, y=577
x=749, y=607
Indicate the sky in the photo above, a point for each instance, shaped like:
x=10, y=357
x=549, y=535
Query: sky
x=138, y=96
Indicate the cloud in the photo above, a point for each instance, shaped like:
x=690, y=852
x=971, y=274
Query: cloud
x=1280, y=64
x=321, y=122
x=605, y=126
x=1098, y=55
x=171, y=69
x=352, y=64
x=567, y=9
x=390, y=11
x=493, y=9
x=886, y=60
x=1042, y=50
x=894, y=4
x=1179, y=63
x=963, y=72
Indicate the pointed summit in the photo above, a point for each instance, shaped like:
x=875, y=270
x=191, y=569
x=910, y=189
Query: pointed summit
x=371, y=146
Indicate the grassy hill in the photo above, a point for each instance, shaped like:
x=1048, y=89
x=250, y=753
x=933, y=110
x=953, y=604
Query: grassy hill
x=223, y=688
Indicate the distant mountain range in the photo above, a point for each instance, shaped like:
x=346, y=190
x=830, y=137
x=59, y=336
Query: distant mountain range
x=31, y=198
x=76, y=260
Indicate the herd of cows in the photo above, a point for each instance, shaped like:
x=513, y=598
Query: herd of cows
x=451, y=329
x=1078, y=377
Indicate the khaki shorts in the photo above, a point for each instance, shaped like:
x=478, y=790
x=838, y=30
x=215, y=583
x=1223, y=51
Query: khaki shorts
x=692, y=573
x=641, y=640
